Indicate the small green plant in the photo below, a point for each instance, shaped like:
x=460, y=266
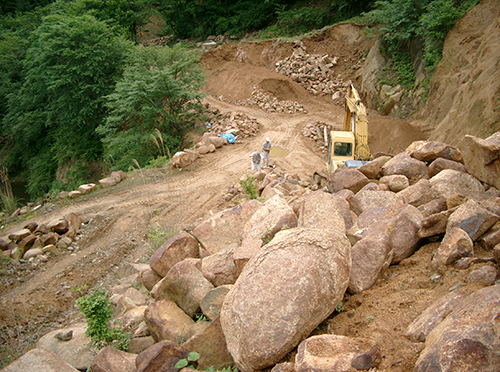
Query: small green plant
x=249, y=186
x=200, y=318
x=267, y=237
x=98, y=311
x=158, y=235
x=189, y=362
x=339, y=307
x=81, y=290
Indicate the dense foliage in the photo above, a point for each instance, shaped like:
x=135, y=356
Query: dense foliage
x=71, y=64
x=158, y=93
x=402, y=21
x=195, y=18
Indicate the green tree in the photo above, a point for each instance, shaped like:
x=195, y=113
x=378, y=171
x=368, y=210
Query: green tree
x=71, y=65
x=127, y=14
x=401, y=21
x=159, y=90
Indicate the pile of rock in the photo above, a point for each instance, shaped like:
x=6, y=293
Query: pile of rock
x=240, y=125
x=42, y=240
x=209, y=143
x=313, y=71
x=313, y=246
x=268, y=103
x=316, y=132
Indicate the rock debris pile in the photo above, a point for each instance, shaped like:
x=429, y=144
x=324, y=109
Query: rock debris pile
x=313, y=71
x=316, y=132
x=240, y=125
x=200, y=287
x=268, y=103
x=36, y=243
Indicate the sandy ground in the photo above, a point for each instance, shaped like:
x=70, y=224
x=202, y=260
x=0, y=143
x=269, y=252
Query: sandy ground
x=168, y=199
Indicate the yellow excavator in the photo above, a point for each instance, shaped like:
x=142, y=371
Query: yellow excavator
x=349, y=147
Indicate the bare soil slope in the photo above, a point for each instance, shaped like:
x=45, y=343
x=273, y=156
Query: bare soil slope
x=36, y=299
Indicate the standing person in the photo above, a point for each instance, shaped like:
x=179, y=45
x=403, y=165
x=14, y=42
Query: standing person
x=266, y=148
x=256, y=160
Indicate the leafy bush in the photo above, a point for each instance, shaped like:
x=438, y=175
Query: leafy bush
x=98, y=311
x=249, y=187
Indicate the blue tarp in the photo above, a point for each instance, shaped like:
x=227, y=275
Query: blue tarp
x=229, y=136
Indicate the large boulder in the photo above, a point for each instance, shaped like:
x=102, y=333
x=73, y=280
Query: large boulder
x=184, y=284
x=219, y=268
x=418, y=330
x=111, y=359
x=455, y=245
x=273, y=216
x=212, y=347
x=162, y=356
x=440, y=164
x=467, y=340
x=419, y=193
x=75, y=350
x=307, y=265
x=404, y=238
x=322, y=210
x=407, y=166
x=449, y=182
x=167, y=321
x=473, y=218
x=428, y=151
x=181, y=159
x=37, y=360
x=482, y=158
x=347, y=178
x=370, y=257
x=174, y=250
x=223, y=229
x=367, y=199
x=212, y=302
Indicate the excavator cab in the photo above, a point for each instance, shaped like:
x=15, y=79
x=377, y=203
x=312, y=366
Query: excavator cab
x=349, y=146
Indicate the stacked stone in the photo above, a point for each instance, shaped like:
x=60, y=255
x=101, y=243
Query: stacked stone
x=268, y=103
x=315, y=131
x=238, y=124
x=314, y=72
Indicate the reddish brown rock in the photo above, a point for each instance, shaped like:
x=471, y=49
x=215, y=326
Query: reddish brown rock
x=347, y=178
x=174, y=250
x=111, y=359
x=162, y=356
x=407, y=166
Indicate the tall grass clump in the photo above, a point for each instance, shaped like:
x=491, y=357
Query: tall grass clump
x=7, y=199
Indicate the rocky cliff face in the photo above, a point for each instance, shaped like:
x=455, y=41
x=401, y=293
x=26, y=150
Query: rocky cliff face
x=465, y=89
